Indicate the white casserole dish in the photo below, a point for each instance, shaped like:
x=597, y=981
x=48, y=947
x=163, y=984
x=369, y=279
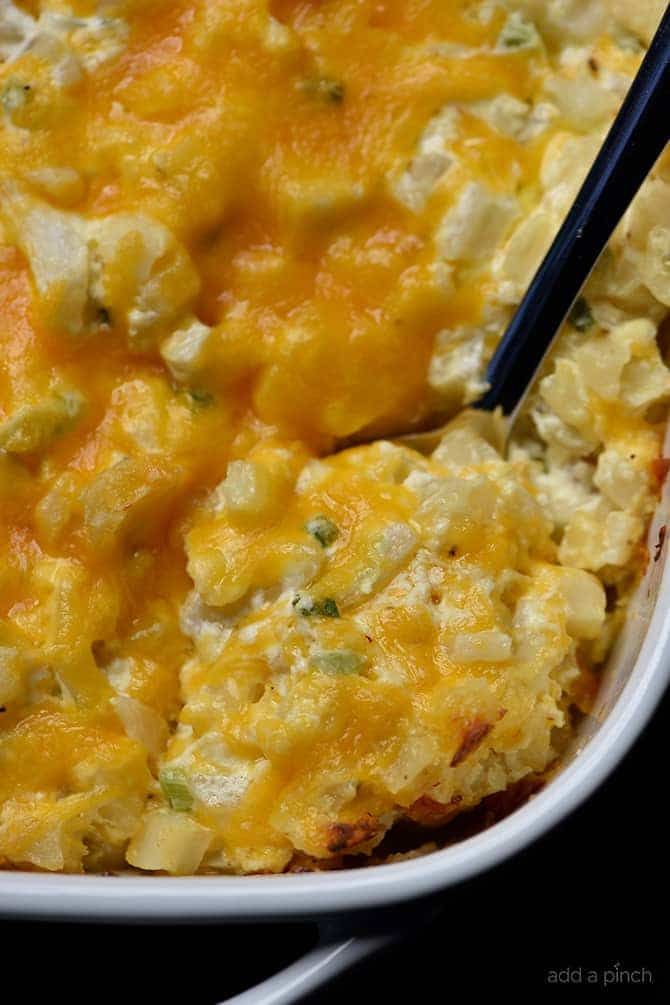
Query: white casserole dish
x=634, y=681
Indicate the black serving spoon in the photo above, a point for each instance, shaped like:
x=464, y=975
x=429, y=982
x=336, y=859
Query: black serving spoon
x=633, y=145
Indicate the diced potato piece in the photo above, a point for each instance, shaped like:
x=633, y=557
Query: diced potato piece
x=125, y=268
x=601, y=361
x=185, y=351
x=121, y=500
x=657, y=264
x=54, y=242
x=62, y=184
x=582, y=102
x=16, y=27
x=451, y=502
x=168, y=841
x=622, y=481
x=140, y=274
x=81, y=41
x=643, y=377
x=420, y=179
x=585, y=600
x=645, y=381
x=141, y=723
x=524, y=252
x=641, y=18
x=45, y=833
x=564, y=392
x=487, y=646
x=224, y=568
x=597, y=536
x=389, y=550
x=563, y=20
x=95, y=40
x=474, y=227
x=565, y=164
x=306, y=202
x=70, y=610
x=248, y=489
x=257, y=487
x=456, y=368
x=279, y=39
x=58, y=507
x=564, y=486
x=432, y=161
x=462, y=446
x=504, y=113
x=34, y=427
x=650, y=209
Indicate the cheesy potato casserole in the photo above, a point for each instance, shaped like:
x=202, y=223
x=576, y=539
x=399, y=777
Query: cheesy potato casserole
x=244, y=244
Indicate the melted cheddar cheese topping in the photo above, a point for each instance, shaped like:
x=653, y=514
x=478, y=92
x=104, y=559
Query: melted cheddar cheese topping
x=236, y=236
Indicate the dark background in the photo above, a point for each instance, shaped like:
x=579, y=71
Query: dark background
x=591, y=894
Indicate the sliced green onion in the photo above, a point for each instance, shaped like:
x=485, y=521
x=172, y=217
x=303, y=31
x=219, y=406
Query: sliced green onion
x=580, y=316
x=175, y=788
x=323, y=529
x=310, y=608
x=328, y=608
x=200, y=398
x=325, y=88
x=518, y=34
x=338, y=661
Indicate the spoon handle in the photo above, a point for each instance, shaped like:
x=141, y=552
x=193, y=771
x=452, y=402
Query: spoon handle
x=634, y=143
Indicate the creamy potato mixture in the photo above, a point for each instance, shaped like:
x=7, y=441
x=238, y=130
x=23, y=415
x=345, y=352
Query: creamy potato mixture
x=243, y=244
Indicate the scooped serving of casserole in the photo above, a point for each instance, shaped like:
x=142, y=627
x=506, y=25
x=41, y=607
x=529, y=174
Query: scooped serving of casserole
x=244, y=244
